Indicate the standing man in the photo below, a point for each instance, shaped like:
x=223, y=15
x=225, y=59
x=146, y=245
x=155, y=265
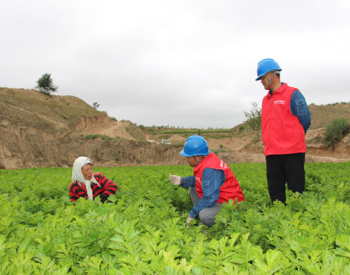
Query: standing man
x=213, y=182
x=285, y=118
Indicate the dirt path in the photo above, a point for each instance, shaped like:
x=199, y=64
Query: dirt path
x=149, y=140
x=114, y=130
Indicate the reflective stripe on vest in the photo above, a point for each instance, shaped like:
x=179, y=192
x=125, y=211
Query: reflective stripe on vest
x=230, y=190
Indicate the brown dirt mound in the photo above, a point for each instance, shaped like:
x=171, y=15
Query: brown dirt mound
x=177, y=138
x=114, y=130
x=316, y=134
x=346, y=139
x=230, y=144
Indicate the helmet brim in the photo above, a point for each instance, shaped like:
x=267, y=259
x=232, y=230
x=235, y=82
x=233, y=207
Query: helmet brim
x=278, y=71
x=182, y=153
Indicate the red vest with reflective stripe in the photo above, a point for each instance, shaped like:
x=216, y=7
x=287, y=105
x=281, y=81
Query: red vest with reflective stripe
x=230, y=190
x=282, y=132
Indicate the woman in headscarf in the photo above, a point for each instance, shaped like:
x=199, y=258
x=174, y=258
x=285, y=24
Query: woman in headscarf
x=88, y=184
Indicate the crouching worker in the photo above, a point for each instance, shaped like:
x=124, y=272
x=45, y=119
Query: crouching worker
x=87, y=184
x=213, y=182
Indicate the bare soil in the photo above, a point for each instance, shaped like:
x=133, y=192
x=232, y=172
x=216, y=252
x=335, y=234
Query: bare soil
x=177, y=138
x=113, y=130
x=232, y=144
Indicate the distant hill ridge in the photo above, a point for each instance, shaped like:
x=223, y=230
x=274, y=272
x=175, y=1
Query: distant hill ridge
x=29, y=107
x=25, y=108
x=39, y=130
x=322, y=115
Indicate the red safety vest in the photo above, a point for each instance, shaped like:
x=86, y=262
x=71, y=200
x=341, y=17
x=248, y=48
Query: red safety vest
x=230, y=190
x=282, y=132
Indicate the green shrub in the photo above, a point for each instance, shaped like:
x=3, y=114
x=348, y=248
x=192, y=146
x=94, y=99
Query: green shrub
x=336, y=131
x=95, y=105
x=45, y=84
x=253, y=117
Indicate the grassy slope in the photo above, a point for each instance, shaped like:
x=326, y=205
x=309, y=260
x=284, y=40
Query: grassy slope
x=22, y=107
x=136, y=132
x=322, y=115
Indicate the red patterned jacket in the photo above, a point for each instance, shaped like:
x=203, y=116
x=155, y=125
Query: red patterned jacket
x=107, y=187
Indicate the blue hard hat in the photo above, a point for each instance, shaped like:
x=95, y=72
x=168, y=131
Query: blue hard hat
x=195, y=146
x=267, y=65
x=195, y=136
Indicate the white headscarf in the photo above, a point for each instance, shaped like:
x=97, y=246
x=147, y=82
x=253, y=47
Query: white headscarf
x=78, y=176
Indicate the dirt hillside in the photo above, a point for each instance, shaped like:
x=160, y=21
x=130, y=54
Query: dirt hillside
x=177, y=138
x=323, y=114
x=30, y=108
x=21, y=148
x=233, y=144
x=38, y=130
x=111, y=129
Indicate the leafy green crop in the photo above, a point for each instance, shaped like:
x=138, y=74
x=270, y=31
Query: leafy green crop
x=142, y=231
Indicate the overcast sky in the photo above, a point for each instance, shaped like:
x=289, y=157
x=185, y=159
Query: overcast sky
x=182, y=63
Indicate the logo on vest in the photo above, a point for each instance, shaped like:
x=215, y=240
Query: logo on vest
x=223, y=164
x=198, y=179
x=279, y=102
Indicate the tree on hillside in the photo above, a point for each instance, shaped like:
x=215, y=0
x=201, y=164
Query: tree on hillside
x=95, y=105
x=45, y=84
x=253, y=117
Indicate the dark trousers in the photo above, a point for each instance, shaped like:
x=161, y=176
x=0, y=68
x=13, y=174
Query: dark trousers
x=285, y=168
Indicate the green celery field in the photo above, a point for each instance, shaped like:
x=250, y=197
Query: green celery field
x=142, y=229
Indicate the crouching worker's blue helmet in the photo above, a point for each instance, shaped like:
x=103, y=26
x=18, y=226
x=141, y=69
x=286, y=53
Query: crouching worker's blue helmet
x=195, y=146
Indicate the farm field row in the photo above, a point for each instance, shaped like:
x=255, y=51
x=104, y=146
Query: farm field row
x=142, y=230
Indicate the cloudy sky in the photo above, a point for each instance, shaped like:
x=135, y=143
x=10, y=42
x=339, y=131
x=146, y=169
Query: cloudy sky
x=182, y=63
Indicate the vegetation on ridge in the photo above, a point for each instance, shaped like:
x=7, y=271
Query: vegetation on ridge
x=20, y=107
x=45, y=84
